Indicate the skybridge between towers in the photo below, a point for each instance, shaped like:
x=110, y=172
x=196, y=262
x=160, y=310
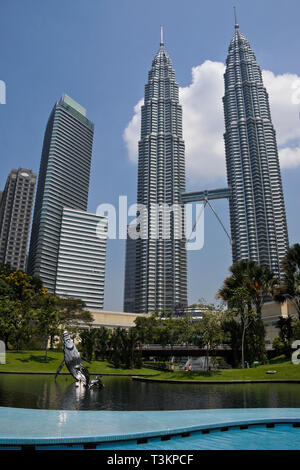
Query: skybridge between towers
x=206, y=196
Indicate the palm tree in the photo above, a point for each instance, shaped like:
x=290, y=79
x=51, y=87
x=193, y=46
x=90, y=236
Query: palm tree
x=290, y=287
x=133, y=339
x=88, y=340
x=102, y=343
x=259, y=281
x=286, y=333
x=117, y=344
x=255, y=282
x=242, y=303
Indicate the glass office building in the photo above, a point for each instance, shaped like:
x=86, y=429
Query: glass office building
x=81, y=257
x=63, y=182
x=130, y=267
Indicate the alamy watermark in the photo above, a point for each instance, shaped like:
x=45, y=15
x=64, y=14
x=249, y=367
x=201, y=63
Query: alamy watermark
x=296, y=354
x=2, y=352
x=2, y=92
x=154, y=222
x=296, y=93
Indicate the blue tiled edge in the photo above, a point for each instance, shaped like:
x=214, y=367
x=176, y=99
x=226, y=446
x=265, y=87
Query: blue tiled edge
x=31, y=427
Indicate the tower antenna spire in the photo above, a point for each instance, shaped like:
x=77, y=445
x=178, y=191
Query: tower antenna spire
x=161, y=35
x=236, y=25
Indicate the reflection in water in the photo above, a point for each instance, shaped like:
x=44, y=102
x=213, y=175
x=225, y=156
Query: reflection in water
x=62, y=418
x=121, y=393
x=79, y=397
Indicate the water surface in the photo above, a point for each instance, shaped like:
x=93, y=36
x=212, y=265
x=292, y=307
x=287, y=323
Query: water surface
x=122, y=393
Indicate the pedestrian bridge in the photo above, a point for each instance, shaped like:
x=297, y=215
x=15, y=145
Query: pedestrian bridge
x=206, y=195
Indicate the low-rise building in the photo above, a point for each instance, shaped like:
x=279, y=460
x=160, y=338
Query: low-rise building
x=271, y=312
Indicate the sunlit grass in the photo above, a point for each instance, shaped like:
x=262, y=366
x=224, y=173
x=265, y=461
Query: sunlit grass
x=34, y=361
x=284, y=371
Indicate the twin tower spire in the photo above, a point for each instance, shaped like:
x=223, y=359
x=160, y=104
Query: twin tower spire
x=236, y=25
x=161, y=36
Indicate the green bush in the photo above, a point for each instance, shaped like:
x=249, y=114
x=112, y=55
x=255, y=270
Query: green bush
x=278, y=346
x=157, y=365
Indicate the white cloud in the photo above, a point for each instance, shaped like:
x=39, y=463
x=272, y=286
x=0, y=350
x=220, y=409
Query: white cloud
x=132, y=132
x=203, y=122
x=289, y=157
x=285, y=114
x=284, y=97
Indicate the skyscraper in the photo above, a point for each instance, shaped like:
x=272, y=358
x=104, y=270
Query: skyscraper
x=161, y=273
x=130, y=267
x=81, y=257
x=63, y=182
x=257, y=211
x=15, y=217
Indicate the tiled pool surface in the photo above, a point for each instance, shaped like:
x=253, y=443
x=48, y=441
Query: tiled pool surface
x=254, y=428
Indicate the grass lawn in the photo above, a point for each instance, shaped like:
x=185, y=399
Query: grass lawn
x=285, y=371
x=34, y=361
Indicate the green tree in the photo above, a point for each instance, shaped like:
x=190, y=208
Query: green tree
x=286, y=334
x=289, y=289
x=54, y=314
x=6, y=270
x=208, y=333
x=278, y=346
x=46, y=319
x=255, y=349
x=146, y=326
x=183, y=329
x=296, y=330
x=27, y=309
x=25, y=293
x=8, y=320
x=26, y=288
x=131, y=341
x=233, y=331
x=88, y=341
x=258, y=280
x=72, y=313
x=102, y=343
x=242, y=308
x=117, y=346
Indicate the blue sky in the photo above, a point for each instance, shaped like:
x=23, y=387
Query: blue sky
x=99, y=52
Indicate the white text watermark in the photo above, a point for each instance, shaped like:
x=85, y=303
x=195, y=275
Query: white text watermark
x=2, y=92
x=154, y=222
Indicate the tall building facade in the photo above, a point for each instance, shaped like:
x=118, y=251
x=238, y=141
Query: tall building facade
x=63, y=182
x=15, y=217
x=130, y=267
x=257, y=211
x=81, y=257
x=161, y=272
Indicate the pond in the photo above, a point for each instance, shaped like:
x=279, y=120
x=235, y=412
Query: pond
x=122, y=393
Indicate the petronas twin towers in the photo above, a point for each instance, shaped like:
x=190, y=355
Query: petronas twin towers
x=257, y=212
x=161, y=277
